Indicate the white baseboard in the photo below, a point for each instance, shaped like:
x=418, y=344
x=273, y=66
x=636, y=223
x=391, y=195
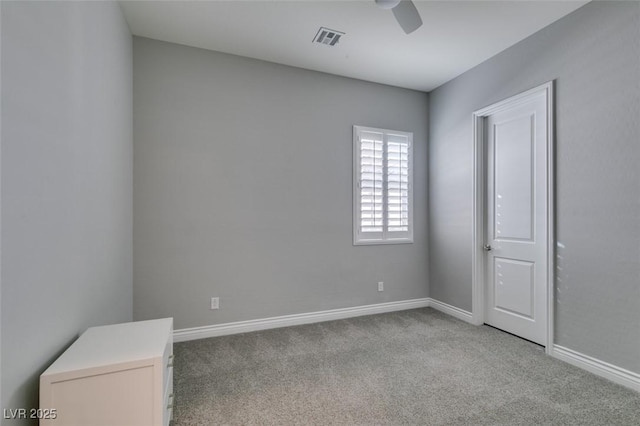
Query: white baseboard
x=186, y=334
x=600, y=368
x=461, y=314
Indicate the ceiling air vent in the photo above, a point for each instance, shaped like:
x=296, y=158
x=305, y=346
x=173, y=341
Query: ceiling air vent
x=327, y=36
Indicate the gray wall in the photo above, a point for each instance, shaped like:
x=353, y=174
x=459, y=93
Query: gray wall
x=593, y=55
x=1, y=400
x=242, y=188
x=66, y=182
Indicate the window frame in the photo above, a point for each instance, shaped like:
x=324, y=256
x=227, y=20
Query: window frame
x=386, y=236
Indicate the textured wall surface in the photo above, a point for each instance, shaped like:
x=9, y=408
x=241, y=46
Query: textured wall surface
x=593, y=55
x=242, y=188
x=66, y=182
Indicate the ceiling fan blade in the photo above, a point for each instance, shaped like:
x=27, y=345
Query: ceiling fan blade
x=407, y=16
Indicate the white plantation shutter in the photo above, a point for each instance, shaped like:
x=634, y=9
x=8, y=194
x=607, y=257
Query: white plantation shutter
x=397, y=184
x=371, y=182
x=382, y=210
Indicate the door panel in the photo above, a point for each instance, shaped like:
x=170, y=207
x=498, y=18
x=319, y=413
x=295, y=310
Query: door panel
x=514, y=179
x=514, y=286
x=516, y=213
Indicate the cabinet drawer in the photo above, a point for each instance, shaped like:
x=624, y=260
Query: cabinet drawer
x=168, y=406
x=167, y=361
x=168, y=388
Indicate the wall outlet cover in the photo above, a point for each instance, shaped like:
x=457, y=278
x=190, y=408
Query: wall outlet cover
x=215, y=303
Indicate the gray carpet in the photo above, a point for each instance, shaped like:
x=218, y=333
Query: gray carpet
x=409, y=367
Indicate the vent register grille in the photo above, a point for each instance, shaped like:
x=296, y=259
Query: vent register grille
x=327, y=36
x=375, y=156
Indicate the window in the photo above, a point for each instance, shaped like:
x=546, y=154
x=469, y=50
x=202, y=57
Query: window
x=382, y=180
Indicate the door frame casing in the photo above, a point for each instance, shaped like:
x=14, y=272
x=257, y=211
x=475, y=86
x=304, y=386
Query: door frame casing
x=479, y=210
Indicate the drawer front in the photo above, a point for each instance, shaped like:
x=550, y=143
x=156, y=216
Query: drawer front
x=168, y=416
x=167, y=361
x=168, y=389
x=168, y=398
x=168, y=402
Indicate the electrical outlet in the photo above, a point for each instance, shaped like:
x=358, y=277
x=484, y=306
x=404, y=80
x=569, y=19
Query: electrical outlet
x=215, y=303
x=380, y=286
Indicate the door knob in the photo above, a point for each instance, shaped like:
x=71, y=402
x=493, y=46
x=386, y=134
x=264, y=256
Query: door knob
x=487, y=247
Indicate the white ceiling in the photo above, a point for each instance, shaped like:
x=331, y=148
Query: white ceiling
x=456, y=35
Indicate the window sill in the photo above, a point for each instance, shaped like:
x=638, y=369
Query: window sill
x=382, y=242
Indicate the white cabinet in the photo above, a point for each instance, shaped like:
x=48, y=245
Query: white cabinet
x=118, y=374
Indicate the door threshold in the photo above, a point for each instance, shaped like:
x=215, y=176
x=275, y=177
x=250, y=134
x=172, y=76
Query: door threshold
x=538, y=345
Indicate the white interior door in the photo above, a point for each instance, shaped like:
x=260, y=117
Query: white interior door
x=516, y=244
